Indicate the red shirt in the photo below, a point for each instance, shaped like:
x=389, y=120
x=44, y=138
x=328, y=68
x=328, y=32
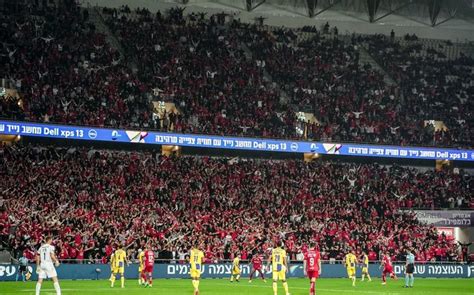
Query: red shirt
x=29, y=254
x=80, y=254
x=72, y=252
x=386, y=261
x=149, y=258
x=257, y=262
x=312, y=258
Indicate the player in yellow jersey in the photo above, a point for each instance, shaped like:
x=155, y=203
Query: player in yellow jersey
x=365, y=267
x=235, y=269
x=112, y=266
x=141, y=254
x=351, y=261
x=279, y=268
x=196, y=259
x=120, y=259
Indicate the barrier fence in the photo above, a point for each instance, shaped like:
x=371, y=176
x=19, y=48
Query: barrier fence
x=223, y=270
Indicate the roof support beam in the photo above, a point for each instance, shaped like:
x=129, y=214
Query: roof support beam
x=311, y=4
x=249, y=4
x=434, y=8
x=393, y=10
x=332, y=4
x=372, y=8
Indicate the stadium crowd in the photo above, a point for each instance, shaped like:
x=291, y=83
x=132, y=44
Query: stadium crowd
x=91, y=199
x=433, y=86
x=202, y=67
x=352, y=101
x=65, y=72
x=230, y=79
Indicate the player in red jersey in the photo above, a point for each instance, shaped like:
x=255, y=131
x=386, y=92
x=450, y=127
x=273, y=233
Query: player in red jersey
x=149, y=259
x=312, y=266
x=257, y=262
x=387, y=268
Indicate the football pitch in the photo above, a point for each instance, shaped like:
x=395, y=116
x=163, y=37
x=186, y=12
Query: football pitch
x=257, y=287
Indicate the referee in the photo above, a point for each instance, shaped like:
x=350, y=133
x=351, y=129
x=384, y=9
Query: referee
x=409, y=269
x=23, y=269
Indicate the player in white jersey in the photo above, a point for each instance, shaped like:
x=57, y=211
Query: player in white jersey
x=45, y=267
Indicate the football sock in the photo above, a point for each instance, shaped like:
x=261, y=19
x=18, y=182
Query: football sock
x=196, y=285
x=412, y=280
x=122, y=281
x=237, y=278
x=38, y=288
x=275, y=288
x=112, y=279
x=311, y=289
x=407, y=278
x=57, y=288
x=285, y=286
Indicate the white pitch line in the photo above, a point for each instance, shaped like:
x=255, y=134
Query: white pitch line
x=78, y=289
x=96, y=290
x=321, y=289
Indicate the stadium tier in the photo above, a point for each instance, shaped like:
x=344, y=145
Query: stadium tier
x=218, y=148
x=99, y=197
x=65, y=72
x=232, y=79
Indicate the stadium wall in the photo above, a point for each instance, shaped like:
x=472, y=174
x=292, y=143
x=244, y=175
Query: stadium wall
x=276, y=13
x=171, y=271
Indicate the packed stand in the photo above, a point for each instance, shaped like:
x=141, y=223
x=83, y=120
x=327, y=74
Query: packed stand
x=433, y=86
x=351, y=101
x=65, y=72
x=201, y=67
x=91, y=199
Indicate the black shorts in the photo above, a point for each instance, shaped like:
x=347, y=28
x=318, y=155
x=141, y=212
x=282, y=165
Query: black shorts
x=22, y=268
x=410, y=268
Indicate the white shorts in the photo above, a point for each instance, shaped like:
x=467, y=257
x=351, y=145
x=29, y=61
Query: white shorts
x=47, y=271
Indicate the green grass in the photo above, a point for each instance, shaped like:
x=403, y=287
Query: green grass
x=219, y=287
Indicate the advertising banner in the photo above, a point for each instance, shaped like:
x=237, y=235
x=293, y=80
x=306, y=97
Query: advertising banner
x=235, y=143
x=446, y=218
x=173, y=271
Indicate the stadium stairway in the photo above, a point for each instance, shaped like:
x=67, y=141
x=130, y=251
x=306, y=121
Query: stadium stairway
x=365, y=58
x=248, y=53
x=96, y=18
